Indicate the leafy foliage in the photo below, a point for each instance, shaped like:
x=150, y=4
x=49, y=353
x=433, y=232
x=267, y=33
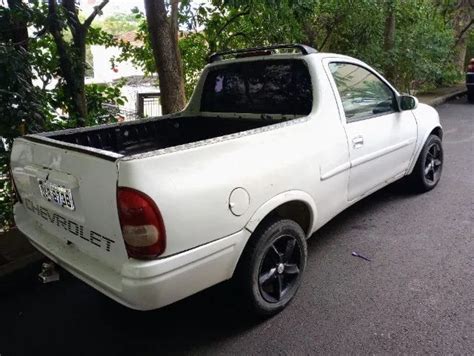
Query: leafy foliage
x=470, y=48
x=423, y=46
x=6, y=191
x=101, y=99
x=118, y=23
x=194, y=54
x=23, y=107
x=28, y=108
x=421, y=55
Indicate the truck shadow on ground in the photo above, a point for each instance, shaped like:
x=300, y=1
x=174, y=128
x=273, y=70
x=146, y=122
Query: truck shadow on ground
x=71, y=310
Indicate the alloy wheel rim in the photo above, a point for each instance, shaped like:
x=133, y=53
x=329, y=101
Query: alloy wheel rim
x=280, y=268
x=433, y=163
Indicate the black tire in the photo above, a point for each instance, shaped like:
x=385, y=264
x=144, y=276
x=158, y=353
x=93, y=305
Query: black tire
x=270, y=270
x=470, y=96
x=428, y=167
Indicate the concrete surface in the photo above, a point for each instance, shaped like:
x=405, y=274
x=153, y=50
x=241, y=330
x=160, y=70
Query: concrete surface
x=439, y=96
x=415, y=296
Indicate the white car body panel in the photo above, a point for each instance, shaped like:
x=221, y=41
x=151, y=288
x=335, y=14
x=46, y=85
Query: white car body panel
x=427, y=119
x=93, y=227
x=309, y=159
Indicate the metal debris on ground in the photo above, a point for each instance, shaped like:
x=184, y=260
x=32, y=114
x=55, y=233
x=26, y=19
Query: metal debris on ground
x=355, y=254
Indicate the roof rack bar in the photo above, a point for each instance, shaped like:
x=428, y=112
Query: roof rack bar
x=301, y=47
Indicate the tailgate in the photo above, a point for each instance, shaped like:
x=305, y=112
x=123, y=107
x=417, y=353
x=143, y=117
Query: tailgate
x=72, y=196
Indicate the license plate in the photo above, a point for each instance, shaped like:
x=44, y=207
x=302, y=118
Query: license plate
x=56, y=194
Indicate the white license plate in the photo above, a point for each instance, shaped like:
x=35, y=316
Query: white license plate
x=56, y=194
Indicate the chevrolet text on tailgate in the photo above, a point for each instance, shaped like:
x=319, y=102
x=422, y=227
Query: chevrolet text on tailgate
x=274, y=143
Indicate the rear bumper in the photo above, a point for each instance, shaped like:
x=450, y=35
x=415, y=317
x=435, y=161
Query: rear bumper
x=143, y=285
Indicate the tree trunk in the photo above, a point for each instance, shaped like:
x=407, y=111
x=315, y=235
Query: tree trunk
x=462, y=22
x=19, y=29
x=79, y=94
x=167, y=56
x=389, y=39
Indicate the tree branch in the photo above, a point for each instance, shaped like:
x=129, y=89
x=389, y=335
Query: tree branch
x=41, y=32
x=233, y=36
x=71, y=13
x=464, y=30
x=53, y=23
x=97, y=10
x=232, y=19
x=328, y=34
x=330, y=30
x=65, y=62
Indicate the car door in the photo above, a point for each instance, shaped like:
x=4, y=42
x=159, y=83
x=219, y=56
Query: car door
x=381, y=137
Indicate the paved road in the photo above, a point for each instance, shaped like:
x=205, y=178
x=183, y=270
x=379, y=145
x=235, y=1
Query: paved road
x=415, y=296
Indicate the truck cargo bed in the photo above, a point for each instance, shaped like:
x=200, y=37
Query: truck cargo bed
x=149, y=135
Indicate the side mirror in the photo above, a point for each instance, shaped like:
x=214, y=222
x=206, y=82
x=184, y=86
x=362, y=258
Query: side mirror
x=407, y=102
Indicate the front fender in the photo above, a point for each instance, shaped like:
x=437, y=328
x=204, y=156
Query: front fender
x=280, y=199
x=427, y=119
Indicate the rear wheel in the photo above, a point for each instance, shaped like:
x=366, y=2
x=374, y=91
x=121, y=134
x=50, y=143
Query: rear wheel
x=271, y=266
x=427, y=171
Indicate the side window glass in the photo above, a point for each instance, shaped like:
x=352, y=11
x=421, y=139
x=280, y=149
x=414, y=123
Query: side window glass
x=363, y=94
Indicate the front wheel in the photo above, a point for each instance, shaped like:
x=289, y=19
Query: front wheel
x=428, y=167
x=271, y=266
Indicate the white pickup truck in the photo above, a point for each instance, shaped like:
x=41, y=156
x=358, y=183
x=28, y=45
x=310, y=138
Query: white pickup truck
x=274, y=143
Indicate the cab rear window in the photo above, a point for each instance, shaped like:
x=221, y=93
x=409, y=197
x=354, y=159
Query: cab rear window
x=259, y=87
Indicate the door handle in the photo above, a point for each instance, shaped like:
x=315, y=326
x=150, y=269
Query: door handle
x=358, y=142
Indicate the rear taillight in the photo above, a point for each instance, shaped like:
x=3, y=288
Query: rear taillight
x=470, y=66
x=142, y=225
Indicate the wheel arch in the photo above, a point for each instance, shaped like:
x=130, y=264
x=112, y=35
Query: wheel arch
x=436, y=130
x=295, y=205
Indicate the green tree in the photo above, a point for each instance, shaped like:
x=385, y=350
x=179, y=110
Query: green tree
x=458, y=15
x=118, y=24
x=28, y=108
x=23, y=107
x=72, y=55
x=423, y=43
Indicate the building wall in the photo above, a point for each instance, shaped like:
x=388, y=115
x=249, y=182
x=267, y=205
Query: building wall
x=103, y=71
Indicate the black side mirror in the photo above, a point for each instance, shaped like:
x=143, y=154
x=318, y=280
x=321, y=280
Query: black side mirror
x=407, y=102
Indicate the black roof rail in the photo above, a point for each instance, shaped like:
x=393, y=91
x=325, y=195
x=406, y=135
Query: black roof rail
x=217, y=56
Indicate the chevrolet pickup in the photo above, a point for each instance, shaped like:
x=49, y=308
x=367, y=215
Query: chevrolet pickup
x=274, y=142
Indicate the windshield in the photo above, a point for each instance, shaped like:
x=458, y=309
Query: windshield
x=281, y=86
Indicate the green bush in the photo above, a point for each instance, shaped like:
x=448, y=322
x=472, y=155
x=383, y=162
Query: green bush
x=23, y=107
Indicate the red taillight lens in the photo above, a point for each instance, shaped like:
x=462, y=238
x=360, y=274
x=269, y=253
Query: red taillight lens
x=142, y=225
x=470, y=66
